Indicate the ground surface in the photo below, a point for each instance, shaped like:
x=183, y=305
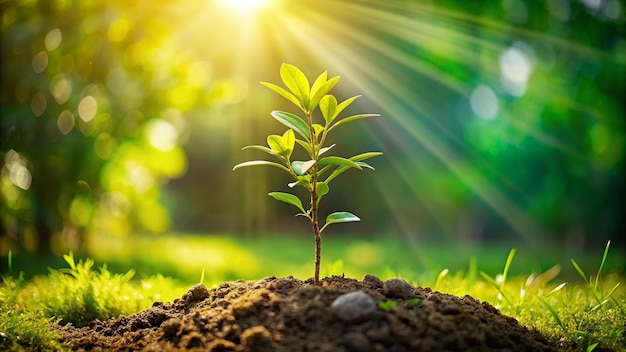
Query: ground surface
x=286, y=314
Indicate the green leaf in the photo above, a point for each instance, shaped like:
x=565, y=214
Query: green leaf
x=342, y=169
x=280, y=90
x=294, y=122
x=319, y=82
x=318, y=128
x=322, y=188
x=341, y=216
x=352, y=118
x=364, y=156
x=274, y=141
x=297, y=83
x=282, y=145
x=336, y=160
x=260, y=162
x=288, y=198
x=306, y=146
x=316, y=95
x=344, y=104
x=328, y=107
x=301, y=167
x=338, y=171
x=325, y=149
x=365, y=165
x=260, y=147
x=302, y=180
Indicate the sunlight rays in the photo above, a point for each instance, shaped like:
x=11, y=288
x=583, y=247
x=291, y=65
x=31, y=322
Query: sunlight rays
x=371, y=73
x=373, y=46
x=247, y=5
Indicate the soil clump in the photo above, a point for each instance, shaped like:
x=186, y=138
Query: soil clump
x=287, y=314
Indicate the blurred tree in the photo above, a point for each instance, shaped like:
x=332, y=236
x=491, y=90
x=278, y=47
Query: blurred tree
x=498, y=117
x=93, y=97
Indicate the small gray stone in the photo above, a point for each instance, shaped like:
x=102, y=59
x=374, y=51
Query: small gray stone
x=397, y=288
x=354, y=307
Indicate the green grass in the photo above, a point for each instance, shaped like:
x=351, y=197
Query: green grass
x=579, y=304
x=76, y=294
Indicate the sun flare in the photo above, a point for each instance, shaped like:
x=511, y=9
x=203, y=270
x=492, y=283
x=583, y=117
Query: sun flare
x=247, y=5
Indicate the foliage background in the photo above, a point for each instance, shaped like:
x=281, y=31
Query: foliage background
x=502, y=121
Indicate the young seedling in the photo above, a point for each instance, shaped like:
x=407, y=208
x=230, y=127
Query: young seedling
x=387, y=305
x=316, y=173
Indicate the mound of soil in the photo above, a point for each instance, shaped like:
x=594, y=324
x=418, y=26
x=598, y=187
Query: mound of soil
x=287, y=314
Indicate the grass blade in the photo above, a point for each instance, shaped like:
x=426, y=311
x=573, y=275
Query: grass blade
x=10, y=260
x=580, y=271
x=507, y=266
x=497, y=286
x=553, y=312
x=440, y=277
x=606, y=253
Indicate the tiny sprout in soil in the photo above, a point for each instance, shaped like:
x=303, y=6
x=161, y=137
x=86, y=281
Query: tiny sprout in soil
x=413, y=302
x=387, y=305
x=316, y=173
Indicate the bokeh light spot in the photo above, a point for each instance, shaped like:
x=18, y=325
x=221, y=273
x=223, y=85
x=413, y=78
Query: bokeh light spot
x=80, y=211
x=116, y=202
x=516, y=65
x=153, y=217
x=182, y=97
x=61, y=88
x=139, y=176
x=162, y=134
x=40, y=61
x=8, y=16
x=592, y=5
x=65, y=122
x=38, y=104
x=104, y=145
x=53, y=39
x=87, y=108
x=199, y=73
x=612, y=10
x=119, y=29
x=484, y=102
x=176, y=118
x=18, y=172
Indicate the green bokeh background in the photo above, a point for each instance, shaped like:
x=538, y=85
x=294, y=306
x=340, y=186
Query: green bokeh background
x=501, y=121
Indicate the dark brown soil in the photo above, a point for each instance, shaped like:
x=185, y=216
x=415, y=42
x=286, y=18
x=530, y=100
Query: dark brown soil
x=286, y=314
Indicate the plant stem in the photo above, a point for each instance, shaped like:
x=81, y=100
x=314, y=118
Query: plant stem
x=318, y=236
x=314, y=200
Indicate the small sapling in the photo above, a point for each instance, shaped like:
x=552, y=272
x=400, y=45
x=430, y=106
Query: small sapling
x=319, y=169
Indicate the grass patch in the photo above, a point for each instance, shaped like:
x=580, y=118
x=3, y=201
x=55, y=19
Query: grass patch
x=73, y=295
x=581, y=313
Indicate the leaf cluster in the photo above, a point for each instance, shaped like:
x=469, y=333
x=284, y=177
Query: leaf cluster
x=317, y=171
